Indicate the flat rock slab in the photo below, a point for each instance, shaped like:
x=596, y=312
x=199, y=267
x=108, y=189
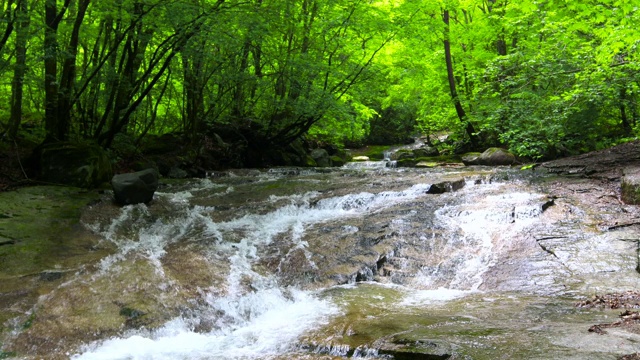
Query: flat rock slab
x=600, y=164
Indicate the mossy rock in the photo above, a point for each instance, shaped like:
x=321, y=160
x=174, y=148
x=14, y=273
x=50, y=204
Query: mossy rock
x=471, y=158
x=404, y=154
x=426, y=151
x=310, y=162
x=496, y=157
x=321, y=157
x=81, y=165
x=411, y=162
x=376, y=152
x=427, y=164
x=630, y=186
x=337, y=160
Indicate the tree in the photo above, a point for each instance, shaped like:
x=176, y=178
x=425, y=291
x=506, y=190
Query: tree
x=20, y=66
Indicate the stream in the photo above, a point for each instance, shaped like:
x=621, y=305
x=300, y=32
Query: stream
x=363, y=262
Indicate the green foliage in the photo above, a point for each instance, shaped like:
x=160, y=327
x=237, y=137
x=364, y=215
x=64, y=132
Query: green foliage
x=545, y=79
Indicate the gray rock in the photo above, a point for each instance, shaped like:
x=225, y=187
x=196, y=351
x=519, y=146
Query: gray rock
x=404, y=154
x=471, y=158
x=321, y=156
x=496, y=156
x=426, y=152
x=446, y=186
x=135, y=188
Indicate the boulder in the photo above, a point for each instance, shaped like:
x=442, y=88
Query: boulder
x=337, y=160
x=81, y=165
x=471, y=158
x=404, y=154
x=407, y=162
x=135, y=188
x=496, y=156
x=446, y=186
x=426, y=152
x=321, y=156
x=630, y=186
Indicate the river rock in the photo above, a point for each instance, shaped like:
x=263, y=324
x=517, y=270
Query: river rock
x=630, y=186
x=426, y=164
x=446, y=186
x=404, y=154
x=426, y=152
x=471, y=158
x=337, y=160
x=135, y=188
x=496, y=156
x=81, y=165
x=321, y=156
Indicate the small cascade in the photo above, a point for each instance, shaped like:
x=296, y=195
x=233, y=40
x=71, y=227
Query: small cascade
x=367, y=264
x=387, y=159
x=253, y=315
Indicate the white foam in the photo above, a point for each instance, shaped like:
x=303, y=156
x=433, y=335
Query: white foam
x=256, y=317
x=267, y=324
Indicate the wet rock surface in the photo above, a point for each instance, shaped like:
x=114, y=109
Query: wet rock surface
x=490, y=265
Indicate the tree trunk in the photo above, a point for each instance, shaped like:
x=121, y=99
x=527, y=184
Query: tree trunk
x=17, y=85
x=55, y=131
x=192, y=63
x=626, y=125
x=9, y=19
x=68, y=76
x=462, y=116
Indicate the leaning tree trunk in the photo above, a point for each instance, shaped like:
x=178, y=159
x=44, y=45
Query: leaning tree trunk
x=66, y=89
x=452, y=82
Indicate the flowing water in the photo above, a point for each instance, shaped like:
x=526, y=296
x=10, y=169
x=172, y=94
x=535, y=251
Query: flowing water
x=366, y=261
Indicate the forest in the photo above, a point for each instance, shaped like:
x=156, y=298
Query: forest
x=543, y=78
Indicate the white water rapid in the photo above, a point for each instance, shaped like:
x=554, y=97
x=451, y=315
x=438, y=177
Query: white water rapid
x=364, y=262
x=263, y=321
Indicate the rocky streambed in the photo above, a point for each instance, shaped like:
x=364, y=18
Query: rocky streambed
x=444, y=263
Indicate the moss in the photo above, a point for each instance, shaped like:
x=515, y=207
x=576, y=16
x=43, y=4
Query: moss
x=29, y=322
x=310, y=162
x=7, y=355
x=429, y=160
x=441, y=159
x=39, y=231
x=39, y=228
x=427, y=164
x=337, y=160
x=630, y=193
x=374, y=152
